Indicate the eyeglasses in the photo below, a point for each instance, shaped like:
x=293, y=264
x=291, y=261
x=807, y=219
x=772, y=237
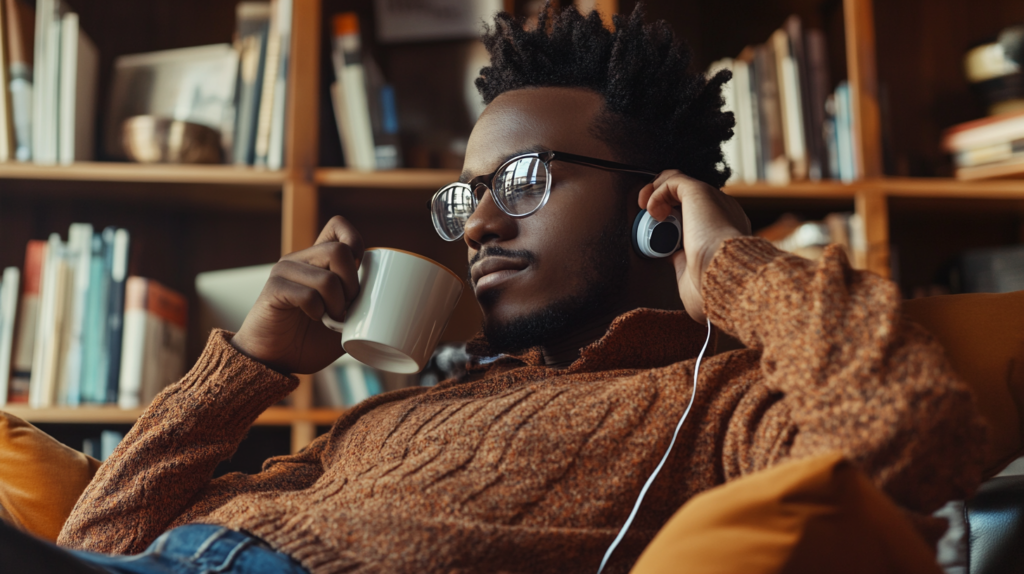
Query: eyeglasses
x=520, y=187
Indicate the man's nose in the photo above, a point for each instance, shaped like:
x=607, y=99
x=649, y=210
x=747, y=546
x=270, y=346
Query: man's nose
x=489, y=224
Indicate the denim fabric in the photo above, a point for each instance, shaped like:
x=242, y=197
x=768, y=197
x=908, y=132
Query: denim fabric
x=199, y=549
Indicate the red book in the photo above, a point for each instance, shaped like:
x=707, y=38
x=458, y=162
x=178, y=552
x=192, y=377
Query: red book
x=28, y=321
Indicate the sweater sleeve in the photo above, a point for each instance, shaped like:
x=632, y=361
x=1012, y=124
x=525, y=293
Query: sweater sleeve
x=160, y=474
x=843, y=370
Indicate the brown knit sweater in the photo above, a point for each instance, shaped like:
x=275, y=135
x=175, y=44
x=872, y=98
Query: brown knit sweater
x=524, y=468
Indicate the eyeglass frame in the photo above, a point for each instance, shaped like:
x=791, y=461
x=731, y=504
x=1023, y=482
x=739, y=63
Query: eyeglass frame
x=546, y=157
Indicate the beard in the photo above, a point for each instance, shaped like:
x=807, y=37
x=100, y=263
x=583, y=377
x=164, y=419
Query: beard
x=605, y=274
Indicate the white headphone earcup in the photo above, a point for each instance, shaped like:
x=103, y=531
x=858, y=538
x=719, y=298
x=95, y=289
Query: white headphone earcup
x=656, y=239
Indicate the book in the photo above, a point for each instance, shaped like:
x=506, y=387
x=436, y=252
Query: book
x=271, y=64
x=46, y=77
x=27, y=322
x=153, y=347
x=1012, y=167
x=818, y=88
x=746, y=128
x=773, y=147
x=845, y=149
x=7, y=142
x=20, y=26
x=94, y=331
x=43, y=387
x=380, y=98
x=348, y=94
x=988, y=154
x=253, y=23
x=10, y=283
x=790, y=104
x=79, y=261
x=749, y=56
x=983, y=132
x=79, y=77
x=275, y=152
x=119, y=241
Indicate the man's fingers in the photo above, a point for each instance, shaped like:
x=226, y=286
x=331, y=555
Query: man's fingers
x=298, y=296
x=326, y=285
x=340, y=230
x=336, y=257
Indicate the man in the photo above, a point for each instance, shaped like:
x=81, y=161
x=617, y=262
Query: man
x=532, y=461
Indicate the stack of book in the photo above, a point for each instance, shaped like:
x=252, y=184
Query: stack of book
x=84, y=332
x=48, y=69
x=788, y=124
x=987, y=148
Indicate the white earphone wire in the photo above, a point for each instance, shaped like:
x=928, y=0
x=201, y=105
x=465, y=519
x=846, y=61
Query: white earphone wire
x=650, y=480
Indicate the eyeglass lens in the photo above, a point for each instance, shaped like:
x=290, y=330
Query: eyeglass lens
x=519, y=188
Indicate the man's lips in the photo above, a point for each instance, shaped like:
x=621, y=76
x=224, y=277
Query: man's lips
x=494, y=269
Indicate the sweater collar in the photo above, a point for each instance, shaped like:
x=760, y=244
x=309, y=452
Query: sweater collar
x=638, y=339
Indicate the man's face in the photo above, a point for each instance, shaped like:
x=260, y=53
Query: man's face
x=538, y=277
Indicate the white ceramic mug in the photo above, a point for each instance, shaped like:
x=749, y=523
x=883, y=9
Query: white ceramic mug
x=404, y=303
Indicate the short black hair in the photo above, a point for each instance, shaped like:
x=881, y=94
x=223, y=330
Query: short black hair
x=659, y=113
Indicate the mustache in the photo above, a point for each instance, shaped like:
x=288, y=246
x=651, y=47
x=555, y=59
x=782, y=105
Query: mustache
x=495, y=251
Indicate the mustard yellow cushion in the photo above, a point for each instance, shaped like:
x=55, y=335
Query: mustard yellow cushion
x=809, y=516
x=983, y=335
x=40, y=478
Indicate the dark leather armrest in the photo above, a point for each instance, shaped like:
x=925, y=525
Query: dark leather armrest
x=995, y=526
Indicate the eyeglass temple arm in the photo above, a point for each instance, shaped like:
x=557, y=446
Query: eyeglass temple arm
x=600, y=163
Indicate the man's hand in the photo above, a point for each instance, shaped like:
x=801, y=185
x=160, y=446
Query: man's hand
x=709, y=218
x=283, y=330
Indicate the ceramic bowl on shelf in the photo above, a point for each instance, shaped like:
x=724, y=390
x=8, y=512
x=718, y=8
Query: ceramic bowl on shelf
x=153, y=139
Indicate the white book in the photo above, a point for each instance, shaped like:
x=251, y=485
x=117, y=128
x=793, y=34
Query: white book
x=79, y=72
x=745, y=132
x=731, y=148
x=351, y=108
x=271, y=63
x=791, y=105
x=44, y=362
x=10, y=285
x=46, y=73
x=80, y=262
x=844, y=134
x=275, y=155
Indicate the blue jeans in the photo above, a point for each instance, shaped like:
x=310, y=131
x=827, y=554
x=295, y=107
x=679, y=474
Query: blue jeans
x=190, y=549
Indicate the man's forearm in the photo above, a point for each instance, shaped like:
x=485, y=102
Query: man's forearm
x=171, y=452
x=855, y=376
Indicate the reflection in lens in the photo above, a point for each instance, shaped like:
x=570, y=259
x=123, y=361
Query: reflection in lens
x=520, y=185
x=450, y=209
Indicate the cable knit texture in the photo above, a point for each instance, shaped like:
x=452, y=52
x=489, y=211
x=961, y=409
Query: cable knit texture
x=518, y=467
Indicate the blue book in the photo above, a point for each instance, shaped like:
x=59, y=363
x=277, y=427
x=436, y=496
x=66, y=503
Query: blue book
x=94, y=329
x=120, y=240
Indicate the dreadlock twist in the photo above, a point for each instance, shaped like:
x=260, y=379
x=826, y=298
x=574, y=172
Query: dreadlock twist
x=658, y=113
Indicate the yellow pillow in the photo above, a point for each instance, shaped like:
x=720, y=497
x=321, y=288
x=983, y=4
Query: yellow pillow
x=808, y=516
x=40, y=478
x=983, y=335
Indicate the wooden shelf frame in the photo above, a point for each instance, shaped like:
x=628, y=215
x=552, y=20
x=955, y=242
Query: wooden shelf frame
x=110, y=172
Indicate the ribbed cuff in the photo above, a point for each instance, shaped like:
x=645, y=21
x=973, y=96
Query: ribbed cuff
x=224, y=388
x=730, y=277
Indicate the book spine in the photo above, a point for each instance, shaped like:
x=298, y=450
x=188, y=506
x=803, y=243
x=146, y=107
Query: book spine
x=80, y=263
x=133, y=343
x=28, y=321
x=6, y=115
x=271, y=63
x=163, y=359
x=818, y=82
x=844, y=136
x=351, y=79
x=275, y=155
x=19, y=18
x=9, y=286
x=253, y=25
x=68, y=70
x=115, y=312
x=38, y=396
x=93, y=331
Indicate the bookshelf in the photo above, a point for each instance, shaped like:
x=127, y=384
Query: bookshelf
x=224, y=204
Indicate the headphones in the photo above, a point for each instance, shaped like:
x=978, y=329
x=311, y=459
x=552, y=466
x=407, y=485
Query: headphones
x=653, y=239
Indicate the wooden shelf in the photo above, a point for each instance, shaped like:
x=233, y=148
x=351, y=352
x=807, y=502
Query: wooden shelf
x=826, y=189
x=942, y=187
x=144, y=173
x=424, y=179
x=274, y=416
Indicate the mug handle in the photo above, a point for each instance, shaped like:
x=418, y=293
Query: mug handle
x=331, y=324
